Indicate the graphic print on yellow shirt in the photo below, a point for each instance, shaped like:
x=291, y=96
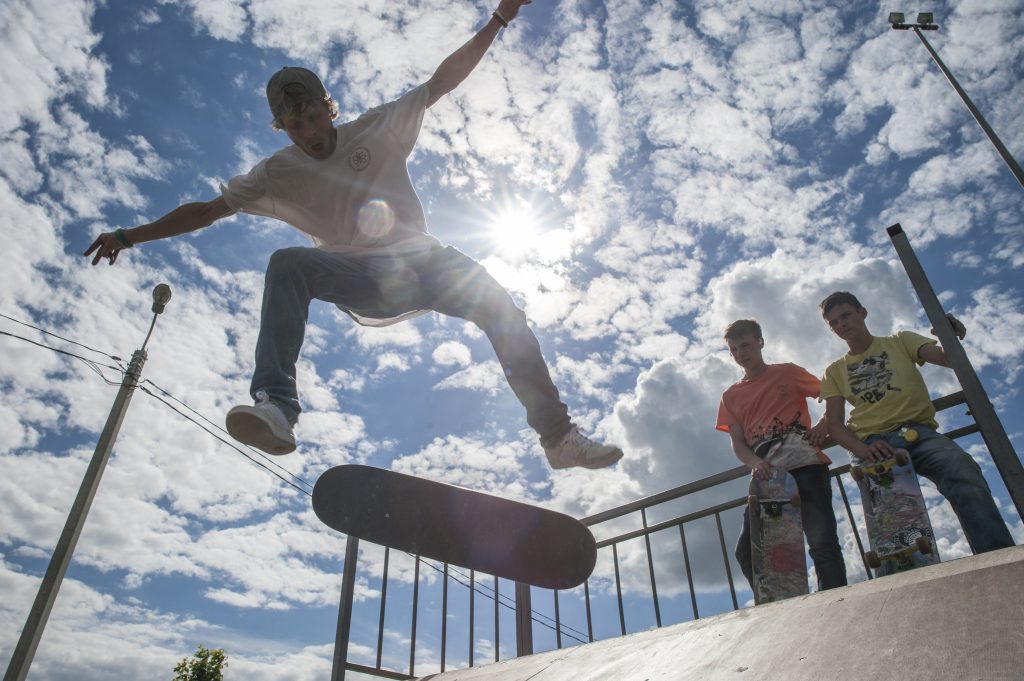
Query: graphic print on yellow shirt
x=871, y=378
x=883, y=384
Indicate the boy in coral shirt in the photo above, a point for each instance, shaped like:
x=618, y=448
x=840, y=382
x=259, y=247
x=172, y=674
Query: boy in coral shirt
x=766, y=416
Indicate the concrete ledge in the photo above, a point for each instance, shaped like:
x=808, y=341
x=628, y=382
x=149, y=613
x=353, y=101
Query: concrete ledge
x=959, y=620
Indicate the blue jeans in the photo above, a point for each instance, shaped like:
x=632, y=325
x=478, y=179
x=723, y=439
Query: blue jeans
x=382, y=286
x=960, y=480
x=819, y=523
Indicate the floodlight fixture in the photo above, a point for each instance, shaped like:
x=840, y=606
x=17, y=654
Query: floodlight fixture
x=926, y=23
x=161, y=295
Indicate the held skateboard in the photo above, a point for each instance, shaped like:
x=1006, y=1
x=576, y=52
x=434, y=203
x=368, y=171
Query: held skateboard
x=456, y=525
x=778, y=561
x=899, y=530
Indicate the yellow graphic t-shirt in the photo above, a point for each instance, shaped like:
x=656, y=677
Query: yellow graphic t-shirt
x=883, y=385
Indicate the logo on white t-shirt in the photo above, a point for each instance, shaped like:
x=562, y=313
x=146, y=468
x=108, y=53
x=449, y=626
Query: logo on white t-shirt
x=359, y=159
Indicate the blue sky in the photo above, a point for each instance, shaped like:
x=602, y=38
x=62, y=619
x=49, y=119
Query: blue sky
x=638, y=174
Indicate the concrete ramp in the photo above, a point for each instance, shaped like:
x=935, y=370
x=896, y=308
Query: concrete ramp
x=962, y=620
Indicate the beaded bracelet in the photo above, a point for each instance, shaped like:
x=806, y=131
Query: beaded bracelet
x=122, y=239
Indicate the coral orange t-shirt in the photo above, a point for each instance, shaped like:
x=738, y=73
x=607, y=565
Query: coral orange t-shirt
x=771, y=405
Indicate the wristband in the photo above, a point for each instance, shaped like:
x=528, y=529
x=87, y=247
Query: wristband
x=501, y=20
x=122, y=239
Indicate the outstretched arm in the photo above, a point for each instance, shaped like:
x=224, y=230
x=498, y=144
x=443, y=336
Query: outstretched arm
x=183, y=219
x=462, y=61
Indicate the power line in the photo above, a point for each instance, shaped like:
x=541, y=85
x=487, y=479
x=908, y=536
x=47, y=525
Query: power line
x=92, y=364
x=304, y=487
x=218, y=427
x=66, y=340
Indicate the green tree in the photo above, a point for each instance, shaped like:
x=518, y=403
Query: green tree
x=204, y=665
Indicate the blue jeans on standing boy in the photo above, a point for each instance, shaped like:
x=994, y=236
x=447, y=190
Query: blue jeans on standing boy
x=959, y=479
x=384, y=286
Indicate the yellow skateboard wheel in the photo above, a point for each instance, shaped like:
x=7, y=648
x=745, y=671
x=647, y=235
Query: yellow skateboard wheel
x=910, y=435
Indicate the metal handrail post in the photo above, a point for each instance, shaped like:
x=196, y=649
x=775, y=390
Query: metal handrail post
x=348, y=590
x=524, y=620
x=1000, y=449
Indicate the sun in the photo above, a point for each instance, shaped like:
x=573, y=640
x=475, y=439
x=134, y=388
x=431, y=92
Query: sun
x=516, y=232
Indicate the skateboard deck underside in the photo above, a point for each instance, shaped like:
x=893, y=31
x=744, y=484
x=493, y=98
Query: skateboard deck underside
x=456, y=525
x=778, y=561
x=896, y=515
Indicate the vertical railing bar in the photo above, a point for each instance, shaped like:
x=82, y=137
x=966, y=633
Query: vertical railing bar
x=524, y=620
x=444, y=615
x=853, y=524
x=415, y=606
x=618, y=589
x=383, y=604
x=586, y=598
x=497, y=630
x=650, y=568
x=558, y=622
x=348, y=589
x=725, y=557
x=689, y=572
x=472, y=612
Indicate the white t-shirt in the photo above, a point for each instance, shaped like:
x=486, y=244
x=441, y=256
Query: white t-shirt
x=358, y=200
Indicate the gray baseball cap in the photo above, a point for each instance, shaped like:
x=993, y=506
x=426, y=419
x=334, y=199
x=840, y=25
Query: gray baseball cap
x=292, y=85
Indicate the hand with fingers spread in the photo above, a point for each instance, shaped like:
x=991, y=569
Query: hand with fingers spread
x=108, y=245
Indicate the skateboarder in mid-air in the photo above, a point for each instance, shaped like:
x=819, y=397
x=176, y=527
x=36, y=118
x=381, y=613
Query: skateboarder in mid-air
x=348, y=188
x=766, y=417
x=892, y=409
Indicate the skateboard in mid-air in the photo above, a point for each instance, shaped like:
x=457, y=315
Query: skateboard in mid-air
x=482, y=532
x=899, y=530
x=778, y=561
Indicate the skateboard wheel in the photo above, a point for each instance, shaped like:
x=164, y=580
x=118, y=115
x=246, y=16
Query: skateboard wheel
x=902, y=456
x=856, y=473
x=795, y=500
x=910, y=435
x=924, y=545
x=872, y=560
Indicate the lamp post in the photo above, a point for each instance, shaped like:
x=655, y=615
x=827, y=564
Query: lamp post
x=925, y=22
x=21, y=660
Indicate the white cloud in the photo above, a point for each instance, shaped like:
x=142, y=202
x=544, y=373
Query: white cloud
x=483, y=376
x=452, y=353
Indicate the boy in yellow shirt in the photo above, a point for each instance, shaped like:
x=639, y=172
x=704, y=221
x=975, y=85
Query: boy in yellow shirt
x=879, y=377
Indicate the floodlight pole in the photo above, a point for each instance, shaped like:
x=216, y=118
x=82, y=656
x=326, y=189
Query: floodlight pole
x=1011, y=163
x=21, y=660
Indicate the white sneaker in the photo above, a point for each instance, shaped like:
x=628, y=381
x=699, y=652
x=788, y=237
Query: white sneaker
x=263, y=426
x=576, y=449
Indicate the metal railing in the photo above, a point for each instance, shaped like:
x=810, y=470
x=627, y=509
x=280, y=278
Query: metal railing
x=519, y=606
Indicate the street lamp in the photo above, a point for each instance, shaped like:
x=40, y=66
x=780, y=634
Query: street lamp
x=926, y=22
